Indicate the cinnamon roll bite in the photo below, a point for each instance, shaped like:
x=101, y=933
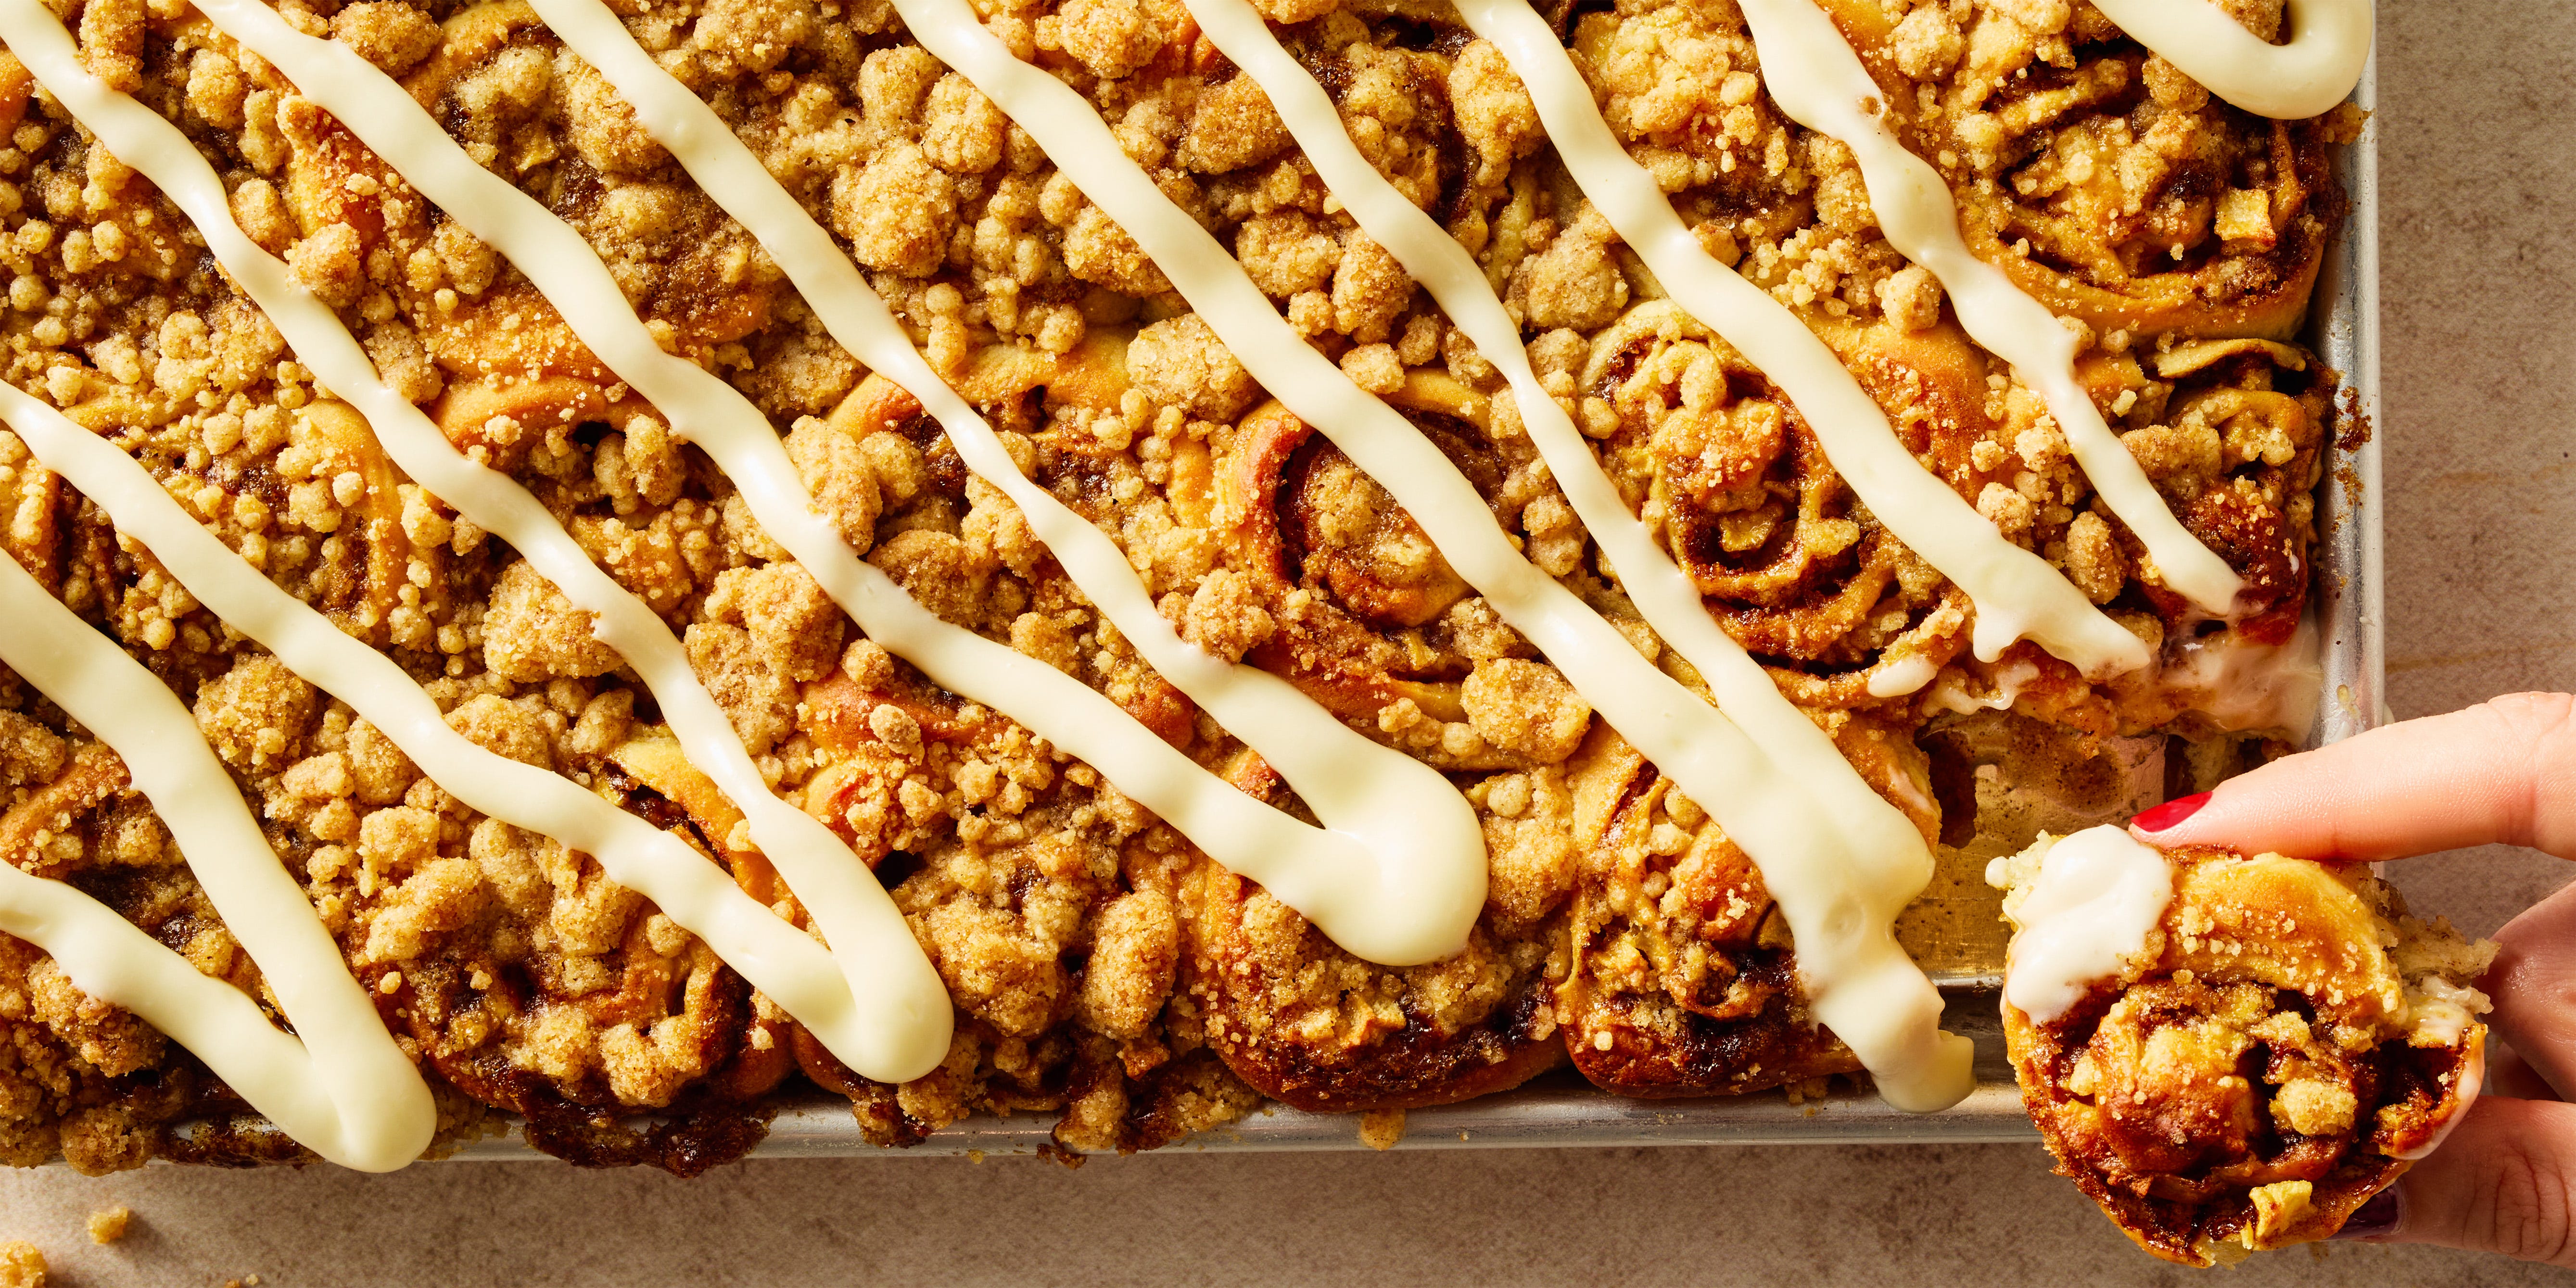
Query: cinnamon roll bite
x=2231, y=1053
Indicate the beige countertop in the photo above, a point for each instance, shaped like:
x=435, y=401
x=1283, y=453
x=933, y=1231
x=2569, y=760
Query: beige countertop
x=2479, y=256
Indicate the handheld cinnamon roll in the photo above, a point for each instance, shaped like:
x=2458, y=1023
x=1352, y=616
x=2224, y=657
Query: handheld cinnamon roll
x=2231, y=1053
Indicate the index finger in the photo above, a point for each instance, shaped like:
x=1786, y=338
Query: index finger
x=2502, y=771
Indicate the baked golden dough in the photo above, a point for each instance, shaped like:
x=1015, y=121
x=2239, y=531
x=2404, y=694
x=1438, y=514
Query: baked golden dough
x=2287, y=1038
x=1682, y=980
x=1104, y=970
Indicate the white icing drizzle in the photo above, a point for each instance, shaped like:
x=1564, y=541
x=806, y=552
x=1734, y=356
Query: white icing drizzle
x=883, y=1011
x=2016, y=593
x=1840, y=895
x=2098, y=894
x=1781, y=733
x=2438, y=1009
x=777, y=958
x=1905, y=676
x=1403, y=845
x=1819, y=82
x=2241, y=685
x=343, y=1089
x=1331, y=877
x=2328, y=46
x=2006, y=682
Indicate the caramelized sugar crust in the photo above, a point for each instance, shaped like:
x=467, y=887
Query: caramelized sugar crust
x=1103, y=969
x=2264, y=1065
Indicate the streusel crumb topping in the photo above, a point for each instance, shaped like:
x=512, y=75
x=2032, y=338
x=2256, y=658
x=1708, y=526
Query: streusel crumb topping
x=1104, y=970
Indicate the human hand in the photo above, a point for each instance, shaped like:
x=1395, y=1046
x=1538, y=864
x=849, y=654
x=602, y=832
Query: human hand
x=2500, y=772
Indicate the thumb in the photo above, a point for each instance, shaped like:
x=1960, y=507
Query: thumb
x=2504, y=1182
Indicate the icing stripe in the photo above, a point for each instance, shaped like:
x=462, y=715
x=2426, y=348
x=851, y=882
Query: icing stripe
x=2085, y=915
x=2328, y=47
x=343, y=1089
x=1333, y=877
x=2016, y=593
x=1802, y=877
x=779, y=960
x=1840, y=904
x=1819, y=82
x=887, y=1014
x=1420, y=835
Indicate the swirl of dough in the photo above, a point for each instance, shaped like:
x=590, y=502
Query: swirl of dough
x=1311, y=1025
x=1743, y=495
x=1683, y=978
x=1372, y=622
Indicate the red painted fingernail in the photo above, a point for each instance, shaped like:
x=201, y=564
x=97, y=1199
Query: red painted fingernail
x=2171, y=812
x=2374, y=1219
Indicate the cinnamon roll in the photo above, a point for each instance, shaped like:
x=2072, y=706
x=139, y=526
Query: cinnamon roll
x=2231, y=1053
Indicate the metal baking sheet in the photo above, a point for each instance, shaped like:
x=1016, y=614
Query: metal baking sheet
x=1562, y=1110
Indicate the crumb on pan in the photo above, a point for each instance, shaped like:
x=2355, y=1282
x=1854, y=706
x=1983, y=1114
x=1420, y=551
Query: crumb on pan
x=1382, y=1129
x=110, y=1224
x=21, y=1265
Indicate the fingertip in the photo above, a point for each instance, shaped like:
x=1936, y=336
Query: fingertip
x=2375, y=1220
x=2169, y=815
